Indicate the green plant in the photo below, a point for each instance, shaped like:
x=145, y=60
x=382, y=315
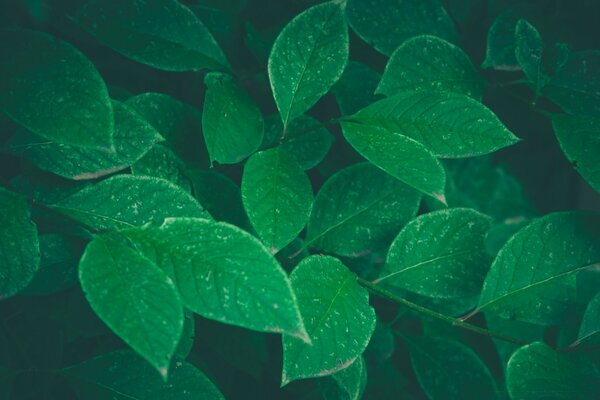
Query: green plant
x=160, y=236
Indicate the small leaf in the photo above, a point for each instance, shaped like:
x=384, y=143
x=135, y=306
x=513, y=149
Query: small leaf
x=448, y=370
x=307, y=140
x=161, y=162
x=135, y=298
x=430, y=63
x=590, y=325
x=439, y=254
x=450, y=125
x=337, y=316
x=133, y=137
x=536, y=372
x=53, y=90
x=307, y=58
x=528, y=52
x=398, y=21
x=352, y=380
x=232, y=124
x=533, y=276
x=124, y=201
x=161, y=33
x=356, y=88
x=277, y=196
x=398, y=155
x=579, y=138
x=19, y=246
x=360, y=209
x=123, y=375
x=223, y=273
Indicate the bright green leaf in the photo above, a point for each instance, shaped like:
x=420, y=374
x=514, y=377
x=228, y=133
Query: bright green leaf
x=358, y=210
x=398, y=155
x=277, y=196
x=161, y=33
x=135, y=298
x=430, y=63
x=536, y=372
x=439, y=254
x=161, y=162
x=232, y=124
x=385, y=24
x=307, y=58
x=122, y=375
x=19, y=246
x=337, y=316
x=223, y=273
x=528, y=52
x=53, y=90
x=124, y=201
x=533, y=277
x=450, y=125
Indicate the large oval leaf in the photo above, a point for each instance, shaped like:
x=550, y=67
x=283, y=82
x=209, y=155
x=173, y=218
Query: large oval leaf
x=277, y=196
x=232, y=124
x=123, y=375
x=133, y=137
x=161, y=33
x=450, y=125
x=360, y=209
x=398, y=155
x=440, y=254
x=337, y=316
x=19, y=246
x=385, y=24
x=533, y=276
x=307, y=58
x=430, y=63
x=536, y=372
x=223, y=273
x=54, y=91
x=135, y=298
x=124, y=201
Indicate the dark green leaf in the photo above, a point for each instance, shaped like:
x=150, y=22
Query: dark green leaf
x=590, y=325
x=528, y=52
x=161, y=33
x=337, y=316
x=161, y=162
x=356, y=88
x=53, y=90
x=307, y=58
x=352, y=380
x=277, y=196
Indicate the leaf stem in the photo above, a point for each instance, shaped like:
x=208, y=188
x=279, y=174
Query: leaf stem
x=375, y=289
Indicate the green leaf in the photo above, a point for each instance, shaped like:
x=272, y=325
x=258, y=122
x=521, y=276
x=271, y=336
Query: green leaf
x=533, y=277
x=307, y=140
x=307, y=58
x=223, y=273
x=590, y=325
x=58, y=265
x=220, y=196
x=385, y=24
x=188, y=335
x=232, y=124
x=536, y=372
x=356, y=88
x=277, y=196
x=579, y=138
x=439, y=254
x=161, y=33
x=135, y=298
x=398, y=155
x=179, y=123
x=352, y=380
x=358, y=210
x=528, y=52
x=133, y=137
x=124, y=201
x=19, y=246
x=430, y=63
x=524, y=331
x=161, y=162
x=449, y=370
x=123, y=375
x=450, y=125
x=53, y=90
x=337, y=316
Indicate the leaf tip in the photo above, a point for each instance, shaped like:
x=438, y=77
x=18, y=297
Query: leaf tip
x=164, y=373
x=441, y=197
